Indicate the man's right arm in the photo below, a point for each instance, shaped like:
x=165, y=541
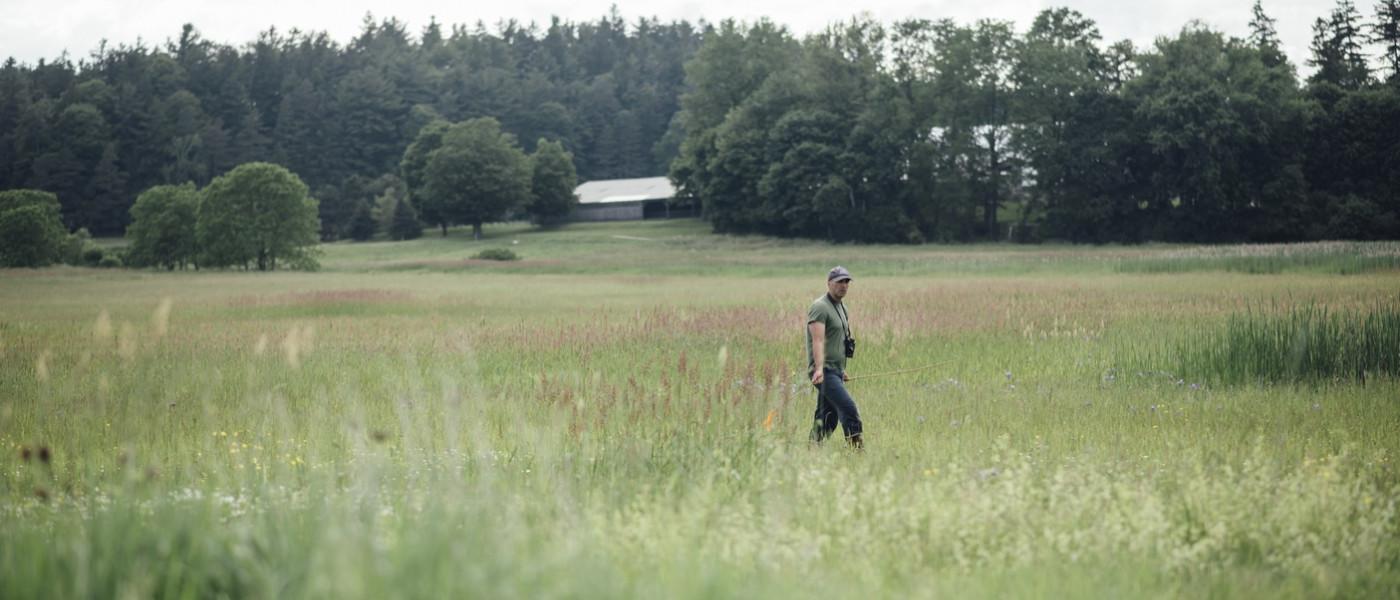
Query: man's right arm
x=817, y=330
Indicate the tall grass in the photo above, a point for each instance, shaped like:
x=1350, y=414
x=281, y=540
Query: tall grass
x=596, y=434
x=1338, y=258
x=1308, y=343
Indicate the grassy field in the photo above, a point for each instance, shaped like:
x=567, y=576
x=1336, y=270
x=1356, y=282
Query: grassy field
x=621, y=413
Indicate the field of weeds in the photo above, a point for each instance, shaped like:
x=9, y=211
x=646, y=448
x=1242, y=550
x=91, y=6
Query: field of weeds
x=623, y=413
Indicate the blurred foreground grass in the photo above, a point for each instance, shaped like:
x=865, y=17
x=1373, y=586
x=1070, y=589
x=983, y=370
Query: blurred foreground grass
x=612, y=418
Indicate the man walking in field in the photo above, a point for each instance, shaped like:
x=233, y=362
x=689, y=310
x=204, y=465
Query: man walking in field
x=829, y=344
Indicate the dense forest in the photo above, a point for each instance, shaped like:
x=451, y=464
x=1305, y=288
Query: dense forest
x=918, y=130
x=99, y=131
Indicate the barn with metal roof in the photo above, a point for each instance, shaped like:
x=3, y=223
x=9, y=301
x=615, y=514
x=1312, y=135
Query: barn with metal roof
x=624, y=199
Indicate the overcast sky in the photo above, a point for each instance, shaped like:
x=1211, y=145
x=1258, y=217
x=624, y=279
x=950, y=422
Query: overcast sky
x=34, y=29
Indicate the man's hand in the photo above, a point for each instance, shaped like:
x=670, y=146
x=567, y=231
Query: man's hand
x=845, y=377
x=818, y=377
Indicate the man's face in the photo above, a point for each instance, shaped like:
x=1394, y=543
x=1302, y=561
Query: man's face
x=838, y=288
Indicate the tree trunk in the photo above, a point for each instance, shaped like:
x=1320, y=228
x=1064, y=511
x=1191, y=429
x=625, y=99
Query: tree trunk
x=444, y=229
x=476, y=230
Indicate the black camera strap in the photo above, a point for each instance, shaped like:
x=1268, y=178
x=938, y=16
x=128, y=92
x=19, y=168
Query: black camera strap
x=841, y=313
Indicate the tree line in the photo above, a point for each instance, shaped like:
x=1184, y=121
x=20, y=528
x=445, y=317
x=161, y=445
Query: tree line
x=913, y=131
x=261, y=215
x=98, y=131
x=256, y=216
x=935, y=130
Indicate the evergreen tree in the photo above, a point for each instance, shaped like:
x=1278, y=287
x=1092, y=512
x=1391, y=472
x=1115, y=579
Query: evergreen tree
x=14, y=102
x=405, y=225
x=552, y=183
x=368, y=111
x=249, y=143
x=362, y=224
x=1386, y=32
x=106, y=193
x=1337, y=51
x=1264, y=35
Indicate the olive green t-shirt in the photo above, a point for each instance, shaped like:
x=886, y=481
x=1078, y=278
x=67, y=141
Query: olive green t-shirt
x=825, y=312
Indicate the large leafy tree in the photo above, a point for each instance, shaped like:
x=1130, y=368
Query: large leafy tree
x=730, y=66
x=1059, y=72
x=31, y=234
x=1209, y=109
x=476, y=175
x=258, y=215
x=162, y=231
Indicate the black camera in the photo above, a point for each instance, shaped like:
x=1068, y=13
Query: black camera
x=850, y=347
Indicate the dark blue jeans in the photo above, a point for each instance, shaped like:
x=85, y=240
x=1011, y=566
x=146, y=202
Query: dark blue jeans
x=834, y=405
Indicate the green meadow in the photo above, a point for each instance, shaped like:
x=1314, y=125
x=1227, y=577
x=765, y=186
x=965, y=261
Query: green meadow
x=623, y=413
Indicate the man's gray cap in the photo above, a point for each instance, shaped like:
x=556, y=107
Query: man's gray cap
x=838, y=273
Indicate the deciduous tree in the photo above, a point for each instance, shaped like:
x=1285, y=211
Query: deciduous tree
x=477, y=174
x=31, y=233
x=162, y=230
x=257, y=216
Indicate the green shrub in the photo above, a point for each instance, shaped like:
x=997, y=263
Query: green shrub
x=74, y=245
x=496, y=254
x=110, y=261
x=93, y=255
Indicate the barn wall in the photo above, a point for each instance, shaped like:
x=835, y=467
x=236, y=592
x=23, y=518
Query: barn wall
x=620, y=211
